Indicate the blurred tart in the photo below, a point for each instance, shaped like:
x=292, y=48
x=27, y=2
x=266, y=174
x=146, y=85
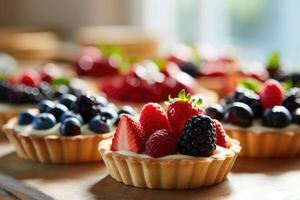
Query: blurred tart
x=266, y=123
x=178, y=149
x=145, y=82
x=64, y=131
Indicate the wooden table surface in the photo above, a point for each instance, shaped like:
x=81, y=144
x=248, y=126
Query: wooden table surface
x=250, y=179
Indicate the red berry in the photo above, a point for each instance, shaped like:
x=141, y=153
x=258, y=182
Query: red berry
x=181, y=110
x=31, y=78
x=161, y=143
x=222, y=138
x=153, y=118
x=46, y=76
x=272, y=94
x=129, y=135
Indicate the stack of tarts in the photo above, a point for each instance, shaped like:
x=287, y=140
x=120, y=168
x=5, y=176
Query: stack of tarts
x=67, y=130
x=178, y=149
x=265, y=122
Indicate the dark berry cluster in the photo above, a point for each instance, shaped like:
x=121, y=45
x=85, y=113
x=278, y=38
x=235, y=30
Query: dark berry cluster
x=73, y=112
x=244, y=106
x=24, y=94
x=198, y=137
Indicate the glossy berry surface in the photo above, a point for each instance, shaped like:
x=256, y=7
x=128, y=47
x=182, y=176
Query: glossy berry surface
x=277, y=117
x=296, y=116
x=126, y=110
x=239, y=114
x=67, y=100
x=198, y=137
x=58, y=110
x=222, y=138
x=45, y=106
x=292, y=99
x=248, y=97
x=86, y=106
x=100, y=125
x=109, y=113
x=44, y=121
x=153, y=118
x=26, y=117
x=215, y=111
x=190, y=68
x=70, y=114
x=70, y=127
x=272, y=94
x=161, y=143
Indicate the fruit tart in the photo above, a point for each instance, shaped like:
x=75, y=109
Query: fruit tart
x=266, y=121
x=177, y=149
x=67, y=130
x=152, y=82
x=23, y=91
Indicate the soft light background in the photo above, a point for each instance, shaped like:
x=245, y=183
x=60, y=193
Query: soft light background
x=256, y=27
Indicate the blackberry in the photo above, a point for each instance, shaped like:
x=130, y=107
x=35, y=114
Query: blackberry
x=198, y=137
x=190, y=68
x=86, y=105
x=247, y=97
x=292, y=99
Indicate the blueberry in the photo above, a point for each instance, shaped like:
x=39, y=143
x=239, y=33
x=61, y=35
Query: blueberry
x=58, y=110
x=124, y=110
x=190, y=68
x=100, y=125
x=278, y=117
x=26, y=117
x=296, y=116
x=239, y=114
x=70, y=127
x=248, y=97
x=215, y=111
x=109, y=113
x=67, y=100
x=70, y=114
x=61, y=90
x=44, y=121
x=101, y=100
x=45, y=106
x=292, y=99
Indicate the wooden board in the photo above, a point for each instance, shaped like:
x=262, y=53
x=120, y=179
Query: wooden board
x=250, y=179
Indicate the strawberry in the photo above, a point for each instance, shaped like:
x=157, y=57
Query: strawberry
x=153, y=118
x=181, y=109
x=222, y=138
x=30, y=78
x=161, y=143
x=272, y=94
x=129, y=135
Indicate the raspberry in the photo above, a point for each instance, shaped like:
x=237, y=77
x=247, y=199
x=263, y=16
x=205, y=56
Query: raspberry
x=199, y=137
x=161, y=143
x=153, y=118
x=272, y=94
x=222, y=139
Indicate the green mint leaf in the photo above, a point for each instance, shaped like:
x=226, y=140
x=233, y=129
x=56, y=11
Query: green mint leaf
x=251, y=84
x=59, y=82
x=274, y=61
x=288, y=84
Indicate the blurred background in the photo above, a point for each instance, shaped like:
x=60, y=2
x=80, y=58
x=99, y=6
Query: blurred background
x=254, y=28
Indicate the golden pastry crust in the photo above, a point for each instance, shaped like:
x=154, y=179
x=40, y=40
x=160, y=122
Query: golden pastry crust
x=267, y=144
x=54, y=148
x=190, y=172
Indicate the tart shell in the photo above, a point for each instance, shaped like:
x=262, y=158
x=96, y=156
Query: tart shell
x=267, y=144
x=53, y=148
x=147, y=172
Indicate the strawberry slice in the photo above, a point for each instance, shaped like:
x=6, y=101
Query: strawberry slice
x=153, y=118
x=129, y=135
